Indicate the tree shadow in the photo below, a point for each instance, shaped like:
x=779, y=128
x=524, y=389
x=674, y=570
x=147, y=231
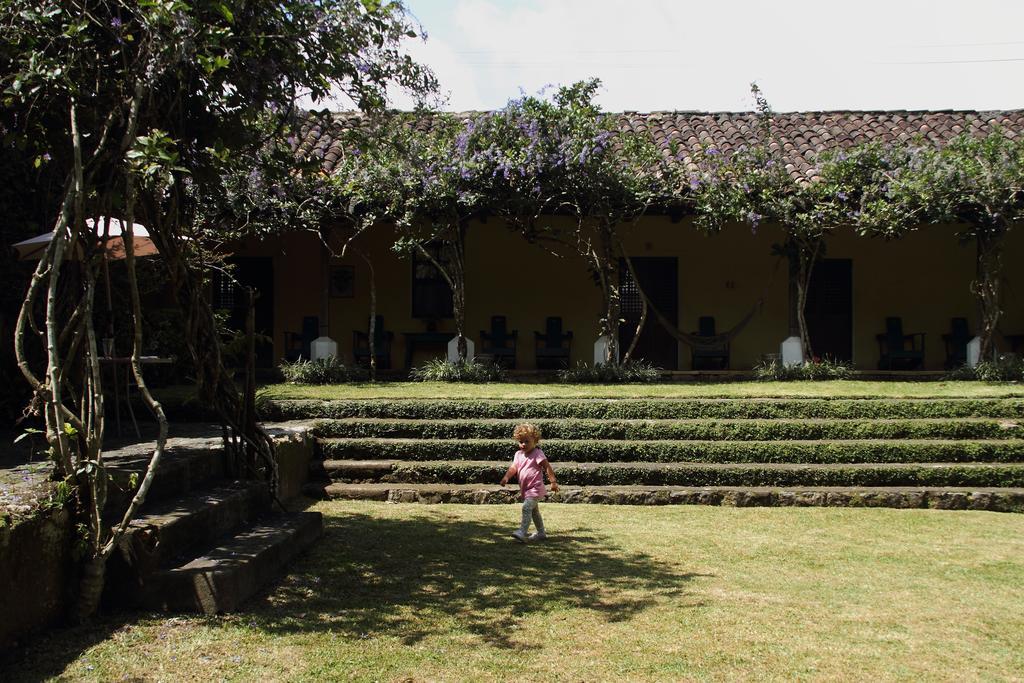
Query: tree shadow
x=414, y=578
x=410, y=577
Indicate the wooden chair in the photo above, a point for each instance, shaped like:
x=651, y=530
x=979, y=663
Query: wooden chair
x=381, y=342
x=297, y=344
x=956, y=343
x=899, y=350
x=711, y=356
x=552, y=346
x=499, y=343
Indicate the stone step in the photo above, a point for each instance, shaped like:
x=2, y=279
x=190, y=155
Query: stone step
x=221, y=579
x=784, y=429
x=192, y=462
x=645, y=408
x=952, y=498
x=170, y=530
x=690, y=473
x=612, y=450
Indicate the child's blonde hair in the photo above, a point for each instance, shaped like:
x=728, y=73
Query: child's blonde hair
x=526, y=430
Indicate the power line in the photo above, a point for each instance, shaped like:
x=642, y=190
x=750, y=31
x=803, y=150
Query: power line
x=941, y=45
x=960, y=61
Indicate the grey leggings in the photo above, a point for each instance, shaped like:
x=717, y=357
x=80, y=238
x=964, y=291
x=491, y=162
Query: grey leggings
x=531, y=511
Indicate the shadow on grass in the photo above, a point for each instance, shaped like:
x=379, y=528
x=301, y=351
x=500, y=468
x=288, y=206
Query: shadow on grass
x=412, y=578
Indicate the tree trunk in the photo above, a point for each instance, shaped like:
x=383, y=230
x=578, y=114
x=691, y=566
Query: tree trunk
x=91, y=586
x=643, y=306
x=604, y=262
x=807, y=255
x=373, y=318
x=987, y=288
x=455, y=276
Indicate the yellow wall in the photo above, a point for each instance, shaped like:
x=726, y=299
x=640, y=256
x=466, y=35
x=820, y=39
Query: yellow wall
x=923, y=278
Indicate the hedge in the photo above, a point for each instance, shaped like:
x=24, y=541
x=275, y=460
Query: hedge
x=682, y=451
x=702, y=430
x=644, y=408
x=689, y=474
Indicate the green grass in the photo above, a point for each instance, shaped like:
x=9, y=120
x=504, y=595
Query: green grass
x=838, y=389
x=411, y=592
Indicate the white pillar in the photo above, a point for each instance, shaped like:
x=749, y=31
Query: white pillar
x=601, y=350
x=453, y=349
x=323, y=347
x=791, y=351
x=973, y=352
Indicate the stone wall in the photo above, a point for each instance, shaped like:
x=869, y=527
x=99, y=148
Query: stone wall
x=35, y=572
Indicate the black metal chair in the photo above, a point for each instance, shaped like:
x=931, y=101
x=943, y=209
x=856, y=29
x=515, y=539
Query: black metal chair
x=956, y=343
x=297, y=344
x=552, y=347
x=499, y=343
x=382, y=345
x=710, y=356
x=898, y=350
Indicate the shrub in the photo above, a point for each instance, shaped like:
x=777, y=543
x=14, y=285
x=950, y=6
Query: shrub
x=631, y=372
x=774, y=370
x=1007, y=368
x=644, y=409
x=321, y=371
x=443, y=370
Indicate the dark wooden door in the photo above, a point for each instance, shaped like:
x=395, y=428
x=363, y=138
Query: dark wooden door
x=659, y=278
x=229, y=296
x=829, y=311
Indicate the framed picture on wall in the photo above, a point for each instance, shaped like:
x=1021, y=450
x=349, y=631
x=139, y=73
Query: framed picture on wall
x=343, y=281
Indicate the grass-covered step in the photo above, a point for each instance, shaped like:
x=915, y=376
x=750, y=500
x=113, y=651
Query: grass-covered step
x=698, y=474
x=653, y=408
x=948, y=498
x=783, y=429
x=615, y=450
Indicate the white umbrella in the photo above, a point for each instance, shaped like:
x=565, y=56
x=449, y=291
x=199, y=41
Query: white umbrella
x=108, y=233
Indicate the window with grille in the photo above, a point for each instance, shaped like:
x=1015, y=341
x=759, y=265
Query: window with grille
x=431, y=295
x=225, y=291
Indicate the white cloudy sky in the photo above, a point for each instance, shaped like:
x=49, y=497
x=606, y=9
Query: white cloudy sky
x=702, y=55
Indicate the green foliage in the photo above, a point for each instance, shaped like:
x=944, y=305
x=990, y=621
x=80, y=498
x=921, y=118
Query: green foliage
x=321, y=371
x=687, y=430
x=631, y=372
x=443, y=370
x=535, y=157
x=809, y=452
x=643, y=409
x=973, y=181
x=63, y=493
x=1007, y=368
x=753, y=474
x=774, y=370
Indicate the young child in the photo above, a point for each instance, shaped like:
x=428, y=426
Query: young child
x=530, y=465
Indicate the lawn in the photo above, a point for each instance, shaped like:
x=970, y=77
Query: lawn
x=406, y=592
x=513, y=391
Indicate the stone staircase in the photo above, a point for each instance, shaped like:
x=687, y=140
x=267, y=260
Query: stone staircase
x=942, y=453
x=203, y=542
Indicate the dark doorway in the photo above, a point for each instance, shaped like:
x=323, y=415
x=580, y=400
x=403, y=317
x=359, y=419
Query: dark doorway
x=659, y=278
x=829, y=311
x=229, y=297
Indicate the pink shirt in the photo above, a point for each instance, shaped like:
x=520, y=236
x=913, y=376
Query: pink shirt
x=530, y=472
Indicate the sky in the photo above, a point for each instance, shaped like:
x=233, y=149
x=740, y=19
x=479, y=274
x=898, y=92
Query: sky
x=682, y=55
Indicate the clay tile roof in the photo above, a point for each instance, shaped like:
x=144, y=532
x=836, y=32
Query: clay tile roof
x=802, y=135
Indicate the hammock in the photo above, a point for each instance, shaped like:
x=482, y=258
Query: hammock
x=709, y=342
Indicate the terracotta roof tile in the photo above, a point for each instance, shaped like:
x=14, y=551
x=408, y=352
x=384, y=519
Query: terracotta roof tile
x=802, y=135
